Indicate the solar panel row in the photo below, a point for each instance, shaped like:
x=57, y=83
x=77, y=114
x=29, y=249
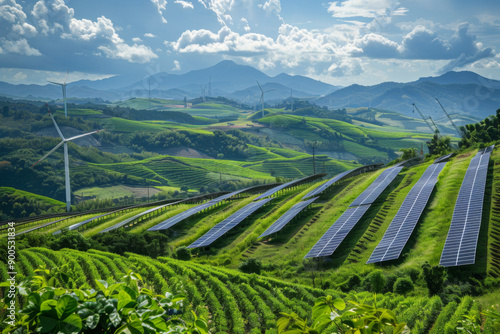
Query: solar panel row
x=331, y=240
x=168, y=223
x=403, y=224
x=274, y=190
x=287, y=217
x=227, y=224
x=131, y=219
x=337, y=232
x=327, y=184
x=377, y=187
x=461, y=242
x=443, y=158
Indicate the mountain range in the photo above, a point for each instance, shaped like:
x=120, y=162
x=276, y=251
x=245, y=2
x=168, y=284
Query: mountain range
x=459, y=92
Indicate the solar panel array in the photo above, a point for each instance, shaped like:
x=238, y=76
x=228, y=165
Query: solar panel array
x=327, y=184
x=287, y=217
x=42, y=226
x=337, y=232
x=461, y=242
x=443, y=158
x=377, y=187
x=403, y=224
x=227, y=224
x=331, y=240
x=166, y=224
x=137, y=216
x=274, y=190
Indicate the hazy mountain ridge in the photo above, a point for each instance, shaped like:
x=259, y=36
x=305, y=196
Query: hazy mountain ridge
x=459, y=92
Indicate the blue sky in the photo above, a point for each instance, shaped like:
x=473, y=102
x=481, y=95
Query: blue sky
x=340, y=42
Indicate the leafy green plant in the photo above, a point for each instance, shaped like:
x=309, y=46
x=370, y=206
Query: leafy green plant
x=360, y=319
x=403, y=286
x=122, y=307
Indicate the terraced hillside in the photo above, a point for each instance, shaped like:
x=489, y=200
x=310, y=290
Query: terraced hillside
x=425, y=244
x=231, y=301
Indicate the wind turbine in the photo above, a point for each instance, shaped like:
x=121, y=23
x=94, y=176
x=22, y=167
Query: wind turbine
x=66, y=157
x=262, y=97
x=63, y=86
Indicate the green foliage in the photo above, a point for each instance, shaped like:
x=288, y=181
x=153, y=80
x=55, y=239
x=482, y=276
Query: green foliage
x=251, y=266
x=73, y=240
x=408, y=153
x=183, y=253
x=361, y=318
x=486, y=131
x=377, y=281
x=118, y=241
x=124, y=307
x=439, y=145
x=435, y=277
x=403, y=286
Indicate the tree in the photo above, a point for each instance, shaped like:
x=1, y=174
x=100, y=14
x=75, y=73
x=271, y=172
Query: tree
x=439, y=145
x=408, y=153
x=251, y=266
x=434, y=277
x=403, y=286
x=183, y=253
x=377, y=281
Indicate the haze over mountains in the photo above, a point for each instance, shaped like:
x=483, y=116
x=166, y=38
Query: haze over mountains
x=460, y=92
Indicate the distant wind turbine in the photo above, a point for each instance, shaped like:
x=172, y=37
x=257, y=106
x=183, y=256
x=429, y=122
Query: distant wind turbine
x=66, y=157
x=63, y=86
x=261, y=102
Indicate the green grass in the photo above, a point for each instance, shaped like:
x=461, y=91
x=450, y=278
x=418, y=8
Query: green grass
x=21, y=193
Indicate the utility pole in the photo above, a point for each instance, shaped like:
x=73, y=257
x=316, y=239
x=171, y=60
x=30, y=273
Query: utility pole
x=314, y=157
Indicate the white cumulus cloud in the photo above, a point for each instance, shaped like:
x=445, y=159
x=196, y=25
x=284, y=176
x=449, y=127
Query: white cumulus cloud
x=20, y=46
x=184, y=4
x=161, y=6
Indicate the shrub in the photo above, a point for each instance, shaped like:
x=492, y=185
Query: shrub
x=403, y=286
x=377, y=281
x=183, y=253
x=251, y=266
x=434, y=277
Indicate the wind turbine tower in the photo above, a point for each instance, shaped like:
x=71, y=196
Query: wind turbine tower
x=63, y=86
x=64, y=142
x=291, y=97
x=261, y=102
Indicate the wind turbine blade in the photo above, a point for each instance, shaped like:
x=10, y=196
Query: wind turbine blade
x=260, y=87
x=53, y=120
x=50, y=152
x=85, y=134
x=270, y=90
x=66, y=77
x=55, y=83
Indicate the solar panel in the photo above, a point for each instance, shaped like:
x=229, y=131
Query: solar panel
x=274, y=190
x=166, y=224
x=443, y=158
x=461, y=242
x=327, y=184
x=403, y=224
x=337, y=232
x=227, y=224
x=77, y=225
x=137, y=216
x=377, y=187
x=42, y=226
x=287, y=217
